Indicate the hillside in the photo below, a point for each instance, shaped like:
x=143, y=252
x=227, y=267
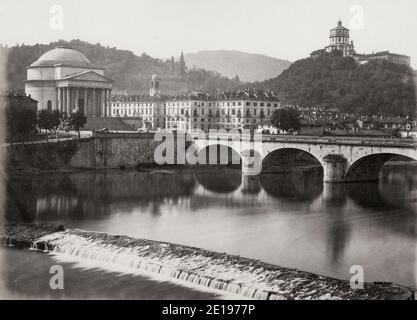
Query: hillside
x=247, y=66
x=130, y=72
x=381, y=88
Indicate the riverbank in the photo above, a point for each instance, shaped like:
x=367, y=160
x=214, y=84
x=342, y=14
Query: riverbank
x=40, y=157
x=246, y=277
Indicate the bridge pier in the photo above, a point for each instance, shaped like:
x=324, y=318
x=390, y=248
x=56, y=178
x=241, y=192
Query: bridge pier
x=251, y=162
x=335, y=168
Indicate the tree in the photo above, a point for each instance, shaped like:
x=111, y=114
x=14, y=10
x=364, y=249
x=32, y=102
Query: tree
x=50, y=120
x=172, y=65
x=21, y=122
x=286, y=119
x=77, y=121
x=182, y=65
x=376, y=88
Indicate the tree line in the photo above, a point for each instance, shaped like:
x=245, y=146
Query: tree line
x=375, y=88
x=24, y=122
x=131, y=73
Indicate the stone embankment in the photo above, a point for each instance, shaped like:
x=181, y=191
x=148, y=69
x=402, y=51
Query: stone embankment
x=202, y=268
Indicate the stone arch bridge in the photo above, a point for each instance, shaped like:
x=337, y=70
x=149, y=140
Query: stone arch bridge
x=344, y=159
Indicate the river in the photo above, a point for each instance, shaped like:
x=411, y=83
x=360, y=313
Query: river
x=290, y=219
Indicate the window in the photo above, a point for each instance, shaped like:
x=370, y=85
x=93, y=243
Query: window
x=49, y=105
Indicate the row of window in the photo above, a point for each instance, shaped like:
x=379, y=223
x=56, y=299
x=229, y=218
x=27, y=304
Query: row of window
x=171, y=112
x=195, y=103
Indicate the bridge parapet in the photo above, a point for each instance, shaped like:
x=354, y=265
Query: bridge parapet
x=343, y=159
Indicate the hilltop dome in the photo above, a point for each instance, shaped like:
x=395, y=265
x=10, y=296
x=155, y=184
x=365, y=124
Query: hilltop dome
x=62, y=55
x=340, y=26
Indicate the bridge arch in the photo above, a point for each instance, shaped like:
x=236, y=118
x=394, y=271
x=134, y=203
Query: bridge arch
x=289, y=158
x=367, y=168
x=218, y=152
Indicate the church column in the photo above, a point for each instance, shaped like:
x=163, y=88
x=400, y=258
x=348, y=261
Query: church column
x=108, y=101
x=67, y=107
x=77, y=97
x=103, y=103
x=58, y=97
x=98, y=102
x=86, y=111
x=64, y=99
x=94, y=103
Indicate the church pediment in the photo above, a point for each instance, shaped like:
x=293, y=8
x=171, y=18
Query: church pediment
x=88, y=76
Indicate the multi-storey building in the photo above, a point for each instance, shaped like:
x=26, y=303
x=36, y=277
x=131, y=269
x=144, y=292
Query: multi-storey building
x=246, y=109
x=189, y=111
x=242, y=109
x=383, y=55
x=151, y=110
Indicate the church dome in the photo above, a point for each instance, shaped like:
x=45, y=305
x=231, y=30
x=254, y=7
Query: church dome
x=64, y=56
x=340, y=26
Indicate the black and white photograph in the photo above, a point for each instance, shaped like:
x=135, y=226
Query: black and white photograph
x=213, y=151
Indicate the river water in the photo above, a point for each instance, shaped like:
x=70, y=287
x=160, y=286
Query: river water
x=290, y=219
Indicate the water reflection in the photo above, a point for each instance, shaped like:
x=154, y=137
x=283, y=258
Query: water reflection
x=291, y=219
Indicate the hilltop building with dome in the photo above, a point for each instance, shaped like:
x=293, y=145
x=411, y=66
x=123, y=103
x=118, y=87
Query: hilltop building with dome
x=340, y=42
x=64, y=79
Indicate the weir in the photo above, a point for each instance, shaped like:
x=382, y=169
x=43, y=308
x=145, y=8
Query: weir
x=205, y=269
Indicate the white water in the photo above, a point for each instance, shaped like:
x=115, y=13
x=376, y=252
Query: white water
x=196, y=270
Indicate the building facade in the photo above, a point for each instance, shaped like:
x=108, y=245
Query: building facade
x=383, y=56
x=242, y=109
x=64, y=79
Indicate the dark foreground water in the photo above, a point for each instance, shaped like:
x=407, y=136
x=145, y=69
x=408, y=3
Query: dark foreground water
x=24, y=274
x=290, y=219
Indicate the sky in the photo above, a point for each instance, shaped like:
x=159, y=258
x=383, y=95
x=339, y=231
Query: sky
x=286, y=29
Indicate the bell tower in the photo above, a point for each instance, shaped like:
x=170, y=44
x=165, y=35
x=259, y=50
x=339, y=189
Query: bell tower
x=154, y=86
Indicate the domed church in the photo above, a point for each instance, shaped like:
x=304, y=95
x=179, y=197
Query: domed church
x=339, y=40
x=64, y=79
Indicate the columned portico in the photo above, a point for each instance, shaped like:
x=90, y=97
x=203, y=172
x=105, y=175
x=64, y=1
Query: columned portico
x=92, y=101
